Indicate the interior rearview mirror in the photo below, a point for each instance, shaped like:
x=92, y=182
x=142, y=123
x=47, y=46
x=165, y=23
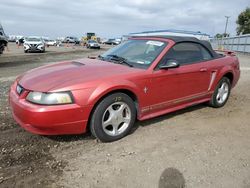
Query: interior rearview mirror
x=172, y=63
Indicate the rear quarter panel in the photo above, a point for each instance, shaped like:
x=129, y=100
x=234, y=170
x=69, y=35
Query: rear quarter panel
x=223, y=66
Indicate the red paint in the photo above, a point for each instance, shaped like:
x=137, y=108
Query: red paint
x=167, y=90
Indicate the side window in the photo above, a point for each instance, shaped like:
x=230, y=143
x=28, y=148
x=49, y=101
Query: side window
x=205, y=53
x=187, y=53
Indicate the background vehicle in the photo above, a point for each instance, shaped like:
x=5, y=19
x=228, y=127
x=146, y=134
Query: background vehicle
x=111, y=42
x=51, y=43
x=34, y=44
x=141, y=78
x=71, y=40
x=118, y=41
x=3, y=39
x=12, y=38
x=90, y=36
x=92, y=44
x=19, y=40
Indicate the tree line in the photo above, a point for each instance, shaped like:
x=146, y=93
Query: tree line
x=243, y=24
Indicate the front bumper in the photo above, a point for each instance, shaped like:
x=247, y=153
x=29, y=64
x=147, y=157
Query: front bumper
x=47, y=120
x=94, y=46
x=34, y=48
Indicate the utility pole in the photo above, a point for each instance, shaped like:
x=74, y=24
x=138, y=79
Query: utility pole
x=227, y=17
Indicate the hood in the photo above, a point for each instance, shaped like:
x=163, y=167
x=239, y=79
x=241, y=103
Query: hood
x=33, y=42
x=73, y=75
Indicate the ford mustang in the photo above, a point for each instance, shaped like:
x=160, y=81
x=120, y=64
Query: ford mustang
x=141, y=78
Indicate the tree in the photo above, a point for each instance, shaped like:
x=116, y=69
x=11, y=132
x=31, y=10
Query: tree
x=243, y=22
x=218, y=35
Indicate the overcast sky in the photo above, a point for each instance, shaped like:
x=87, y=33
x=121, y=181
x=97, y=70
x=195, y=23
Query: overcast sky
x=110, y=18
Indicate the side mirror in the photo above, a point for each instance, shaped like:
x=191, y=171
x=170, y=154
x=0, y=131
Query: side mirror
x=170, y=64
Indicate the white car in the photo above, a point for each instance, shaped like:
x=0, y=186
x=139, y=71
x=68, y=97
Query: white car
x=51, y=43
x=34, y=44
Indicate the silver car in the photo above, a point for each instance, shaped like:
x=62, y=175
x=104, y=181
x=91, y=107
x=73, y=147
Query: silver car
x=92, y=44
x=34, y=44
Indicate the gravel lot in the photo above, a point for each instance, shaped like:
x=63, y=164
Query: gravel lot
x=198, y=146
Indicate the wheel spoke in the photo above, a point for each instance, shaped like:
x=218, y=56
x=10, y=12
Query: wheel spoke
x=223, y=86
x=218, y=96
x=226, y=89
x=121, y=109
x=115, y=129
x=111, y=111
x=126, y=119
x=107, y=122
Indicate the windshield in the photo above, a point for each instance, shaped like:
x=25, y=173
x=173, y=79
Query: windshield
x=33, y=39
x=92, y=41
x=139, y=53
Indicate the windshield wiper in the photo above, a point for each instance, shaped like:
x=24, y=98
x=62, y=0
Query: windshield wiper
x=120, y=60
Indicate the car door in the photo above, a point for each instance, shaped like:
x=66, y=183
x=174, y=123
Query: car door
x=189, y=81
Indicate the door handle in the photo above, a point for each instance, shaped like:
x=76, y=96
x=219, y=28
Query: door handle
x=203, y=70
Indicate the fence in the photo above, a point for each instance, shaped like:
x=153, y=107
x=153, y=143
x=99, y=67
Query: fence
x=238, y=43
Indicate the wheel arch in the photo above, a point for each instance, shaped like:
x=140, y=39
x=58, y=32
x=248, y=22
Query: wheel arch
x=230, y=76
x=225, y=72
x=126, y=91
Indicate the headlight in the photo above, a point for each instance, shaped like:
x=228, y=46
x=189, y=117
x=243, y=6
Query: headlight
x=50, y=98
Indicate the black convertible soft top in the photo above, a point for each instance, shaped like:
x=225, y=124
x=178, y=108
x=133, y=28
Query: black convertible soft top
x=178, y=39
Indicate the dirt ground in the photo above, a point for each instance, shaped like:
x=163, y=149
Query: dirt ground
x=196, y=147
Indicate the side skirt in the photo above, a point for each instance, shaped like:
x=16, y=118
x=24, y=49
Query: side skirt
x=175, y=108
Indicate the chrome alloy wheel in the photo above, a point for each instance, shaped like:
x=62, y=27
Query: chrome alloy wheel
x=116, y=118
x=223, y=93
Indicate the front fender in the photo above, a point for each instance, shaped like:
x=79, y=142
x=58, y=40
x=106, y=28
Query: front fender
x=106, y=88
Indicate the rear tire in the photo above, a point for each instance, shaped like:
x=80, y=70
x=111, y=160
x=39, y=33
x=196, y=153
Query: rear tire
x=1, y=48
x=221, y=93
x=113, y=117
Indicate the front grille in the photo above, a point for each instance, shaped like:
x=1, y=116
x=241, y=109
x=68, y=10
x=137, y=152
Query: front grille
x=19, y=89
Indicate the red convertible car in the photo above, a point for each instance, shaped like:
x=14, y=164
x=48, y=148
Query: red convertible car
x=139, y=79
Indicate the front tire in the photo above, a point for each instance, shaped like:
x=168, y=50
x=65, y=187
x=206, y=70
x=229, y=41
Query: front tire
x=113, y=117
x=221, y=93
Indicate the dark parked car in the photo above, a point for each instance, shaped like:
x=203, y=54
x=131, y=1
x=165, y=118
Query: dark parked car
x=3, y=40
x=111, y=42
